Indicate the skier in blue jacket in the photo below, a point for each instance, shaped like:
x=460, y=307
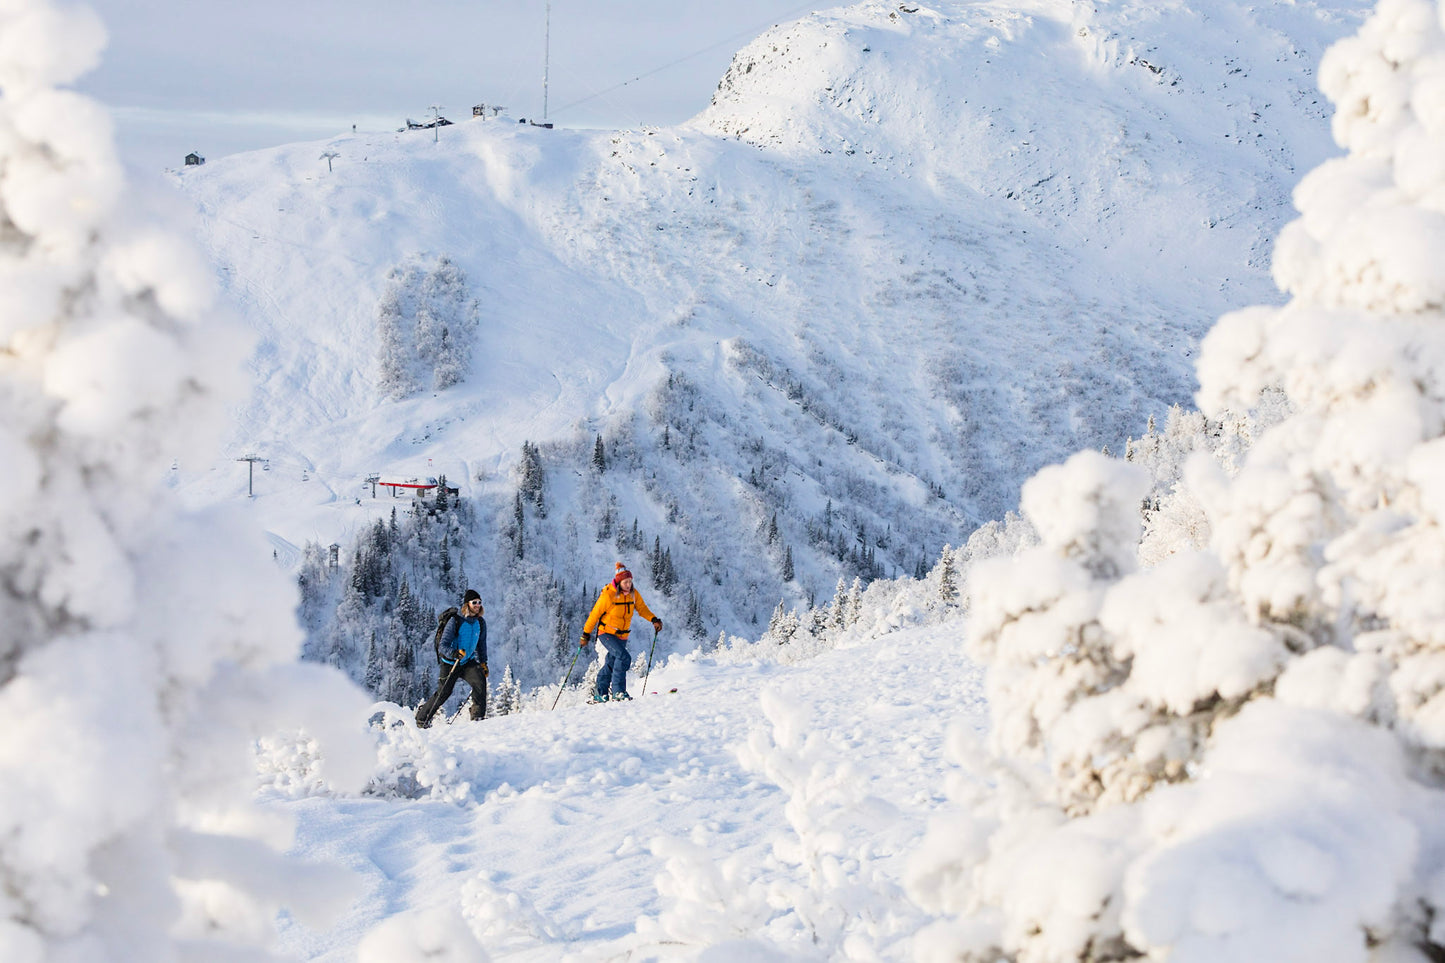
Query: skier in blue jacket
x=462, y=652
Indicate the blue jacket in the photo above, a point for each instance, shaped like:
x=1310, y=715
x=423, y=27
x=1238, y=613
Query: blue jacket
x=468, y=634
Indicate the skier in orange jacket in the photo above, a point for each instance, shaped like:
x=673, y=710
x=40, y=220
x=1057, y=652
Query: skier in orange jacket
x=611, y=618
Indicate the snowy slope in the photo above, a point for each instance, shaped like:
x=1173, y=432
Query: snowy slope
x=907, y=257
x=769, y=807
x=558, y=834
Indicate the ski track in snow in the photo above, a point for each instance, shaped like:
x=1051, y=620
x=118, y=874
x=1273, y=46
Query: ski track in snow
x=563, y=805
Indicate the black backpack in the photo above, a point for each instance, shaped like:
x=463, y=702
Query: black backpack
x=442, y=621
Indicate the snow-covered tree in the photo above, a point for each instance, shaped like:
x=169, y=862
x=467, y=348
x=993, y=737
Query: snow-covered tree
x=445, y=319
x=945, y=577
x=533, y=477
x=692, y=618
x=396, y=376
x=508, y=697
x=782, y=626
x=143, y=649
x=426, y=322
x=1243, y=746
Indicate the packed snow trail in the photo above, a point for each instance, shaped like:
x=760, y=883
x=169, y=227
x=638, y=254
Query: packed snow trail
x=543, y=841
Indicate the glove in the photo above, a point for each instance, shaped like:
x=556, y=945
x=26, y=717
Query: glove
x=585, y=640
x=656, y=624
x=461, y=653
x=484, y=670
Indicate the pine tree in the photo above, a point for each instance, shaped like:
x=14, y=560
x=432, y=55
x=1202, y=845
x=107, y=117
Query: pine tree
x=838, y=608
x=788, y=564
x=444, y=563
x=405, y=604
x=358, y=573
x=509, y=694
x=947, y=576
x=410, y=629
x=373, y=675
x=775, y=623
x=562, y=639
x=599, y=456
x=693, y=621
x=533, y=478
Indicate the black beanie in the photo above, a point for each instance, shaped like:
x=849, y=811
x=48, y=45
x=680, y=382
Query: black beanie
x=470, y=594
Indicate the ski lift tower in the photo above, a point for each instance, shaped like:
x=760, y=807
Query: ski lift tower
x=250, y=473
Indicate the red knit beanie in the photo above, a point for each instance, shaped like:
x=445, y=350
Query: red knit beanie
x=622, y=573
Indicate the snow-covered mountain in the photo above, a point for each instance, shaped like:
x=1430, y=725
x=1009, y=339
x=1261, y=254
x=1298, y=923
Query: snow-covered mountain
x=908, y=256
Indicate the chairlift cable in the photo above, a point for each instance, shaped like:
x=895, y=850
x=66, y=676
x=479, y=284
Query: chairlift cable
x=750, y=32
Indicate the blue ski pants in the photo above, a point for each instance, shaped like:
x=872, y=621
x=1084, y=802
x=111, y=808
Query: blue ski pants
x=613, y=674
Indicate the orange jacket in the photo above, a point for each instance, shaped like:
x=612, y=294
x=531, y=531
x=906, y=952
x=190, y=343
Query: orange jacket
x=613, y=612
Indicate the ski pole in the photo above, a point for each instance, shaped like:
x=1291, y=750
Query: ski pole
x=566, y=677
x=445, y=682
x=648, y=674
x=470, y=699
x=463, y=706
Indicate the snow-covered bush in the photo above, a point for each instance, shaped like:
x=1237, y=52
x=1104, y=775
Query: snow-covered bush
x=818, y=893
x=436, y=935
x=707, y=902
x=1237, y=754
x=142, y=649
x=409, y=765
x=499, y=916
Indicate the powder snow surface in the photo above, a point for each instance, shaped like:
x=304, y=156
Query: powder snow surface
x=558, y=824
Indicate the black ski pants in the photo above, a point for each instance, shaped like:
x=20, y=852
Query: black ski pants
x=471, y=674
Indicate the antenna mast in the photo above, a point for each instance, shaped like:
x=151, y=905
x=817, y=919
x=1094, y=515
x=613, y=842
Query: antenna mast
x=546, y=57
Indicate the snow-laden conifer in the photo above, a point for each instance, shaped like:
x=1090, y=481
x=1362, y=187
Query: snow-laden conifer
x=1243, y=743
x=143, y=649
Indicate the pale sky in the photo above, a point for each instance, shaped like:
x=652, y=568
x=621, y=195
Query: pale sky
x=219, y=76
